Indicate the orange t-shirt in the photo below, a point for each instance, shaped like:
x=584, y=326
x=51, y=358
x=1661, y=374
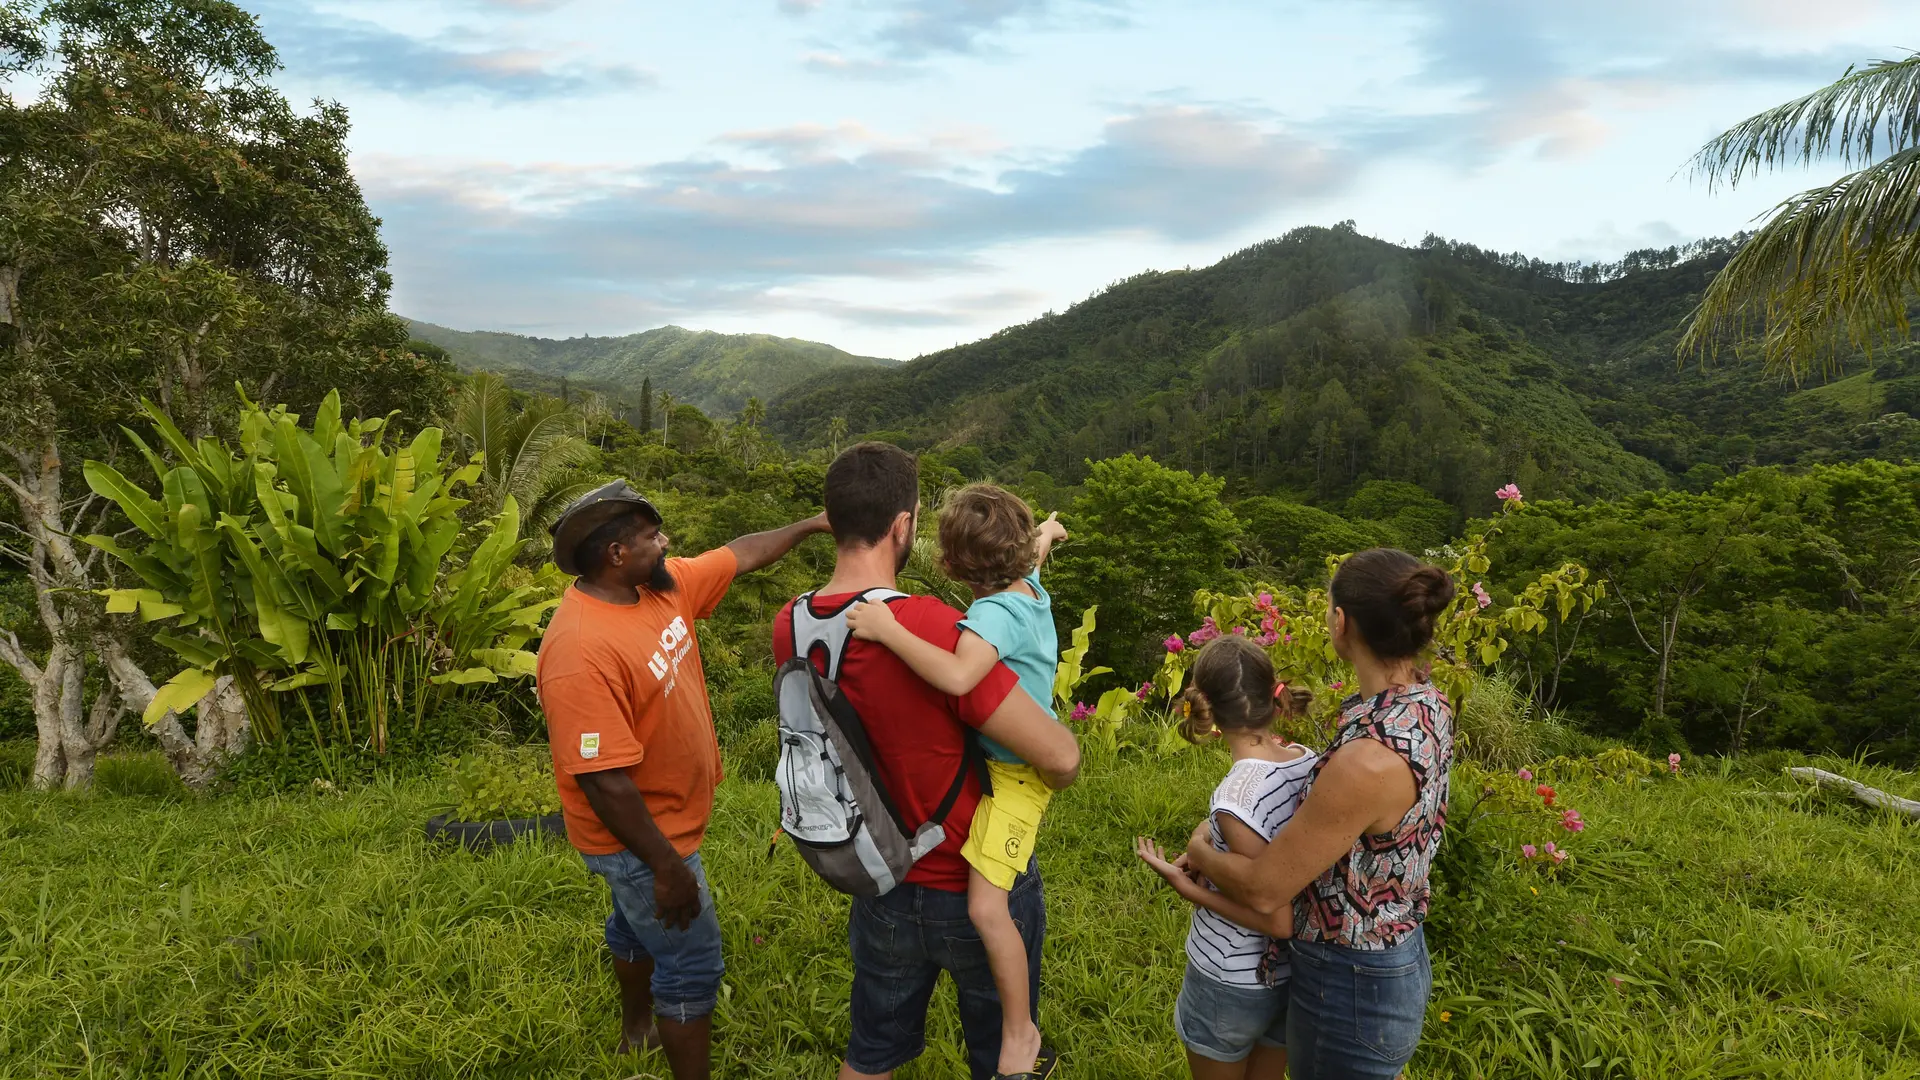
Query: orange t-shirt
x=623, y=688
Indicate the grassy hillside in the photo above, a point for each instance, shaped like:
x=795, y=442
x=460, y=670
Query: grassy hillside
x=1706, y=928
x=1316, y=362
x=717, y=372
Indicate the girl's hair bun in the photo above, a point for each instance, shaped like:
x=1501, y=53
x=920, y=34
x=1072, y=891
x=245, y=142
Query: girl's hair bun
x=1196, y=716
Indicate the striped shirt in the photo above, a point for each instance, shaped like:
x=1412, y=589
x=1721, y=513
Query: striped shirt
x=1263, y=795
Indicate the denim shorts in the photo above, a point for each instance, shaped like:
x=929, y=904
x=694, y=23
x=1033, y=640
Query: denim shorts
x=1224, y=1023
x=1356, y=1013
x=901, y=943
x=686, y=963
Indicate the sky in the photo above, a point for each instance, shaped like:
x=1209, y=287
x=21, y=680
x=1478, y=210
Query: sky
x=898, y=176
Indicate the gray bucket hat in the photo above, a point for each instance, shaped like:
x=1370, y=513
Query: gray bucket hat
x=589, y=512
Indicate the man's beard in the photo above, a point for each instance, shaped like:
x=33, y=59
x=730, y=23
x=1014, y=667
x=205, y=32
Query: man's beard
x=900, y=561
x=660, y=580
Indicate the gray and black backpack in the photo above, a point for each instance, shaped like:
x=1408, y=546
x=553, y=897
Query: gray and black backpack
x=833, y=804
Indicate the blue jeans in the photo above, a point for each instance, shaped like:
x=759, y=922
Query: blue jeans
x=1355, y=1013
x=901, y=943
x=686, y=963
x=1224, y=1023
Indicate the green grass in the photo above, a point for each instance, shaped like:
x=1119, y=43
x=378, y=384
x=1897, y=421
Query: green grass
x=321, y=936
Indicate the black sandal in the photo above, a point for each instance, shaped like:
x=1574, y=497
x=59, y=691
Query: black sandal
x=1043, y=1066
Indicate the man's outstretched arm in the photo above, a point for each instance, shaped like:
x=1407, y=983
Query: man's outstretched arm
x=756, y=550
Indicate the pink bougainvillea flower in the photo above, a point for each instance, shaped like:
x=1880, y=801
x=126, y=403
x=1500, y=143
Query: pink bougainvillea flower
x=1560, y=857
x=1529, y=850
x=1572, y=822
x=1265, y=599
x=1286, y=639
x=1549, y=847
x=1145, y=691
x=1673, y=764
x=1266, y=639
x=1526, y=774
x=1266, y=624
x=1337, y=684
x=1207, y=632
x=1510, y=493
x=1241, y=630
x=1174, y=644
x=1545, y=793
x=1081, y=710
x=1480, y=595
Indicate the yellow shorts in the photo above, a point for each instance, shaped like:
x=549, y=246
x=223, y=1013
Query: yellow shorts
x=1006, y=822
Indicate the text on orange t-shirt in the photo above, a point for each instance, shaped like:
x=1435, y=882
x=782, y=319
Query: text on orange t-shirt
x=623, y=688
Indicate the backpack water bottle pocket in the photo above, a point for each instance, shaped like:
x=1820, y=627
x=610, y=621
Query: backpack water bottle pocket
x=814, y=804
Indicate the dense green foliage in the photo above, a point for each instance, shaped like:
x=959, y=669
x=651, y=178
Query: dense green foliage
x=1312, y=364
x=317, y=556
x=1777, y=609
x=717, y=372
x=1703, y=929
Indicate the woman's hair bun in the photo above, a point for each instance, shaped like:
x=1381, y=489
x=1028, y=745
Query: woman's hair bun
x=1393, y=598
x=1426, y=592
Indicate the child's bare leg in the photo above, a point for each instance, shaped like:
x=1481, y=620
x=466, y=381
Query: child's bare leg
x=1205, y=1068
x=1007, y=957
x=1267, y=1063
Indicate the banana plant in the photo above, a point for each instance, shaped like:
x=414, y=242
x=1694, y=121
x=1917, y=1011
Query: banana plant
x=321, y=557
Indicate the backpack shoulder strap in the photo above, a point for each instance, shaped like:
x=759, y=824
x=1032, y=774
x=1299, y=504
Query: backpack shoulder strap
x=815, y=630
x=973, y=759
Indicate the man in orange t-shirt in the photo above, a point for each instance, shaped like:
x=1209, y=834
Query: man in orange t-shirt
x=634, y=751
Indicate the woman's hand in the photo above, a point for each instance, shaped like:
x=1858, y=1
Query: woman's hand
x=871, y=621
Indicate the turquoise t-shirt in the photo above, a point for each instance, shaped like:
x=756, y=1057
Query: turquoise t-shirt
x=1020, y=627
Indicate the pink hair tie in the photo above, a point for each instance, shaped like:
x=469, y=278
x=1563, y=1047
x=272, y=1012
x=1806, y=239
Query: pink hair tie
x=1279, y=689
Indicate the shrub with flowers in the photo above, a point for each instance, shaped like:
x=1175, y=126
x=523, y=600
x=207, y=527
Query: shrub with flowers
x=1472, y=634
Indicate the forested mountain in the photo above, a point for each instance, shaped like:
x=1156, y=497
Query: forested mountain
x=1311, y=364
x=717, y=372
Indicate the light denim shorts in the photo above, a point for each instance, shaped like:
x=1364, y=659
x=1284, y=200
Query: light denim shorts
x=1224, y=1023
x=686, y=963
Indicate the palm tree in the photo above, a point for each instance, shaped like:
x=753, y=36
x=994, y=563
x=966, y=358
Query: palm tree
x=1835, y=267
x=836, y=431
x=746, y=433
x=540, y=454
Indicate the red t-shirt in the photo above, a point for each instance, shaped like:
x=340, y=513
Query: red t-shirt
x=918, y=743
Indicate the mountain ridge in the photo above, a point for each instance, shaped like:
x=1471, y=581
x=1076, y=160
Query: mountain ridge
x=1315, y=362
x=715, y=371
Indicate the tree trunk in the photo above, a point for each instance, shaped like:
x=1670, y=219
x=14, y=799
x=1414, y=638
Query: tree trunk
x=219, y=733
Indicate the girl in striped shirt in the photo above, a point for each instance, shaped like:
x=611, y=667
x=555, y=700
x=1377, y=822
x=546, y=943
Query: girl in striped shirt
x=1232, y=1010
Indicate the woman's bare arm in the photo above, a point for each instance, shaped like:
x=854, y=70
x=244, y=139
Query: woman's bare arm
x=1276, y=924
x=1356, y=792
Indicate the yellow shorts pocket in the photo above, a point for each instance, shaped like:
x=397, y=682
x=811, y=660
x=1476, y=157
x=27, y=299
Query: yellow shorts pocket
x=1006, y=823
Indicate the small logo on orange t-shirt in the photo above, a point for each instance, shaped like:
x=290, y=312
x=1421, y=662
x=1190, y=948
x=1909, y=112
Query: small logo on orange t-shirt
x=589, y=744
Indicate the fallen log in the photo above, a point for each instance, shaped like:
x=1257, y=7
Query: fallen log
x=1873, y=797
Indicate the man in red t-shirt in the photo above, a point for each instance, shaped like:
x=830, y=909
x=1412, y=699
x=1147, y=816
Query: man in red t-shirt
x=904, y=939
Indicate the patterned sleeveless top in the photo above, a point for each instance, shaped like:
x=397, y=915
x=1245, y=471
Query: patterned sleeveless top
x=1378, y=892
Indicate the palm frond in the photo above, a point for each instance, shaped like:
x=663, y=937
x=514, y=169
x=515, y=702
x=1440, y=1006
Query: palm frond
x=1866, y=113
x=1832, y=271
x=481, y=416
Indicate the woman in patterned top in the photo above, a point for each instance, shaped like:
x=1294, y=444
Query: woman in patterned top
x=1353, y=863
